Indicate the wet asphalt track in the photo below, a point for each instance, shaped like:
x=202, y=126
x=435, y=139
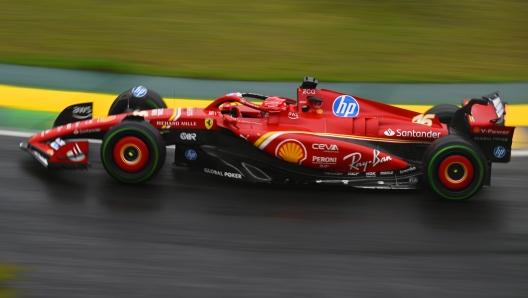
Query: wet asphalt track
x=80, y=234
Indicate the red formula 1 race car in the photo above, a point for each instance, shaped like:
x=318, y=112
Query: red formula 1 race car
x=322, y=137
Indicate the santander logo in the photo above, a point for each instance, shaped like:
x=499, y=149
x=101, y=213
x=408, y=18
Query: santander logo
x=412, y=133
x=389, y=132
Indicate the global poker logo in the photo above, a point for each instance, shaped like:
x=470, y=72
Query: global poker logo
x=139, y=91
x=345, y=106
x=499, y=152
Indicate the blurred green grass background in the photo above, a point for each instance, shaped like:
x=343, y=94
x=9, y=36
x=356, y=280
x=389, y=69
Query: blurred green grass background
x=9, y=273
x=334, y=40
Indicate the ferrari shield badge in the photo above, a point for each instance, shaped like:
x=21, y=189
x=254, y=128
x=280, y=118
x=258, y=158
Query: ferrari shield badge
x=209, y=123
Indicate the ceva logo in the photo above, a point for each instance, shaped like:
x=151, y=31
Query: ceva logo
x=345, y=106
x=389, y=132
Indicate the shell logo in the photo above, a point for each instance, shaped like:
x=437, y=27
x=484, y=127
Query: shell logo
x=476, y=129
x=291, y=150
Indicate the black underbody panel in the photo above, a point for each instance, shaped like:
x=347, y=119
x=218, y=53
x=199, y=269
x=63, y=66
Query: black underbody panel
x=225, y=155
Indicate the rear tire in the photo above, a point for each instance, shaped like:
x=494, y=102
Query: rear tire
x=454, y=167
x=444, y=112
x=133, y=151
x=137, y=98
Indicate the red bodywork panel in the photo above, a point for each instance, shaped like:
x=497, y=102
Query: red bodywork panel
x=323, y=129
x=312, y=135
x=481, y=123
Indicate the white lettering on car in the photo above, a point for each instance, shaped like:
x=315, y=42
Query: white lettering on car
x=157, y=112
x=418, y=134
x=188, y=136
x=356, y=162
x=293, y=115
x=407, y=170
x=495, y=131
x=40, y=157
x=325, y=147
x=82, y=112
x=223, y=174
x=333, y=173
x=176, y=123
x=232, y=175
x=320, y=159
x=88, y=130
x=426, y=119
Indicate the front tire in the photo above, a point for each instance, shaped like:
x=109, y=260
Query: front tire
x=137, y=98
x=454, y=167
x=444, y=112
x=133, y=151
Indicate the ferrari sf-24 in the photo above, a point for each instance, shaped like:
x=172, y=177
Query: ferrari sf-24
x=322, y=137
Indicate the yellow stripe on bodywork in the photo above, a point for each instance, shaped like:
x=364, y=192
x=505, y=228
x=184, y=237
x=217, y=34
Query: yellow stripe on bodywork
x=265, y=139
x=175, y=114
x=262, y=138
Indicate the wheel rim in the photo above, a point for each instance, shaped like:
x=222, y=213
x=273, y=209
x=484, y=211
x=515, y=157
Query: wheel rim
x=131, y=154
x=456, y=172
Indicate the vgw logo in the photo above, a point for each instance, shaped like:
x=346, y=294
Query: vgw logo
x=345, y=106
x=82, y=112
x=499, y=152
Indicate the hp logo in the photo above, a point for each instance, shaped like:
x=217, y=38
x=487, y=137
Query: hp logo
x=139, y=91
x=499, y=152
x=191, y=154
x=345, y=106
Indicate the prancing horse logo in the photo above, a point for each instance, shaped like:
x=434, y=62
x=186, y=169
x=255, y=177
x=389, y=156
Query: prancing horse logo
x=209, y=123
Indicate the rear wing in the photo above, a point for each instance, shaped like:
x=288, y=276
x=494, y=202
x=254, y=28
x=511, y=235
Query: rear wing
x=484, y=121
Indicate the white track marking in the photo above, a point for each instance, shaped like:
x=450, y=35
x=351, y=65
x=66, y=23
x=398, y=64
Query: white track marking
x=519, y=152
x=14, y=133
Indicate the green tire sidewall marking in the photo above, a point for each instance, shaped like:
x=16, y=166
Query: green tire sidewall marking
x=430, y=170
x=113, y=173
x=151, y=104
